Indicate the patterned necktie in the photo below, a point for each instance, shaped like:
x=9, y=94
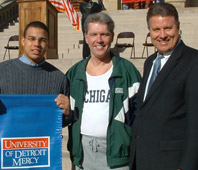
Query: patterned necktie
x=156, y=70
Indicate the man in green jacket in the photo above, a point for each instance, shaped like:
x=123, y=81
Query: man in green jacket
x=102, y=92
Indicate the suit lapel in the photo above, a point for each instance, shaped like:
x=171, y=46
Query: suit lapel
x=147, y=68
x=166, y=70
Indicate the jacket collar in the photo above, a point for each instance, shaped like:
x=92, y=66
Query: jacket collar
x=81, y=75
x=116, y=66
x=81, y=72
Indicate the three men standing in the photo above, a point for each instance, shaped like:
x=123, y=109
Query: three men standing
x=103, y=88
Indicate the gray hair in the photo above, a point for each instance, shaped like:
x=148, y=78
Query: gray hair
x=162, y=9
x=99, y=18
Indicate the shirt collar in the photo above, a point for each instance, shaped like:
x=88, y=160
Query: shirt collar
x=28, y=62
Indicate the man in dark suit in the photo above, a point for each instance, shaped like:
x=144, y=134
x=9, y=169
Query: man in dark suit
x=165, y=129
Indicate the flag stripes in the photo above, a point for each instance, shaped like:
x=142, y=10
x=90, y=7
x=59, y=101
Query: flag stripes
x=66, y=7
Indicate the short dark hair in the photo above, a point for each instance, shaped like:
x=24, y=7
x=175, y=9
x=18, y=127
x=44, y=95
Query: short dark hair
x=99, y=18
x=36, y=24
x=162, y=9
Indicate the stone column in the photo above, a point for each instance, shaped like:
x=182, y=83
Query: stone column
x=177, y=3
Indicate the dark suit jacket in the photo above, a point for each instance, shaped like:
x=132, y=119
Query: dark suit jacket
x=165, y=130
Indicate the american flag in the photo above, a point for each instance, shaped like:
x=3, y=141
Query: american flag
x=66, y=7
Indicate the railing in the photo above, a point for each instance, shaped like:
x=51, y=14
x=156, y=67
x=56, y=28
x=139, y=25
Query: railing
x=8, y=14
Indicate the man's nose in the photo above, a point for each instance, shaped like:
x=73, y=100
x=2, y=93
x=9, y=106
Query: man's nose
x=163, y=33
x=99, y=38
x=36, y=42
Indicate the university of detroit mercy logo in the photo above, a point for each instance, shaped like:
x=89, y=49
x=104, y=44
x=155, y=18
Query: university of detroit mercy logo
x=33, y=152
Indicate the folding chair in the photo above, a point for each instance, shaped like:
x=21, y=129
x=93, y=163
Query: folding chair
x=147, y=44
x=131, y=44
x=11, y=47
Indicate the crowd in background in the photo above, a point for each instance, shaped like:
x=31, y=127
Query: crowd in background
x=140, y=4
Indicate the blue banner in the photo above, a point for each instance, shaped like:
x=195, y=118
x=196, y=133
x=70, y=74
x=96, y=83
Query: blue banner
x=30, y=132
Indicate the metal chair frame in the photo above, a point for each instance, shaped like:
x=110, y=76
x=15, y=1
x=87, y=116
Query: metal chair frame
x=126, y=45
x=10, y=47
x=147, y=44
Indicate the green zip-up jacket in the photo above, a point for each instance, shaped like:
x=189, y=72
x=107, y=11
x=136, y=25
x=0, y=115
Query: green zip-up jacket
x=124, y=83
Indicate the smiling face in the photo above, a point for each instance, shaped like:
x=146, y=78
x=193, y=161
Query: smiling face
x=99, y=40
x=35, y=44
x=164, y=33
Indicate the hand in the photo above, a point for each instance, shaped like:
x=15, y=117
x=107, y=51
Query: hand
x=62, y=101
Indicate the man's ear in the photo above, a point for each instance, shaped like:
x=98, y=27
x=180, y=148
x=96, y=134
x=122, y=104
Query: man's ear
x=22, y=41
x=178, y=25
